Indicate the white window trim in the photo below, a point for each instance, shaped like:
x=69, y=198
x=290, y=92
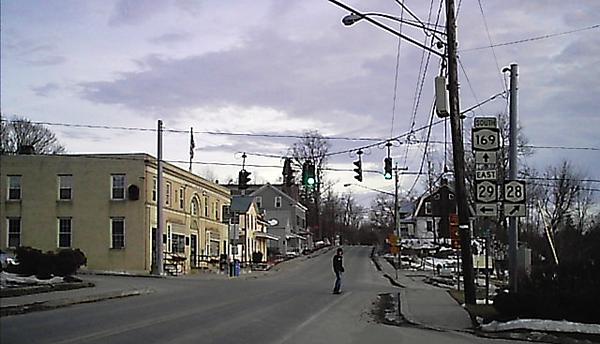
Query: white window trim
x=168, y=189
x=70, y=187
x=194, y=199
x=70, y=232
x=278, y=198
x=8, y=188
x=181, y=198
x=154, y=194
x=259, y=201
x=171, y=244
x=111, y=233
x=112, y=180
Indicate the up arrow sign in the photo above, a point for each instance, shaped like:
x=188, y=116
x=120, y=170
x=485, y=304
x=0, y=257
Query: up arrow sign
x=485, y=157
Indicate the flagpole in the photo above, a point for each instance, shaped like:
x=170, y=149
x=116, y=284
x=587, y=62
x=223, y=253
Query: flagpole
x=192, y=146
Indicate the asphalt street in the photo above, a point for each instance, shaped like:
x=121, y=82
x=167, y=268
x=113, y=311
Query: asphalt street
x=291, y=305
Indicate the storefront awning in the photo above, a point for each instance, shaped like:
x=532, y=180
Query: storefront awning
x=264, y=235
x=294, y=236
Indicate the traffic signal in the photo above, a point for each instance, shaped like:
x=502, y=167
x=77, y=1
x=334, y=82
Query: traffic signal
x=288, y=172
x=308, y=173
x=387, y=168
x=243, y=179
x=358, y=170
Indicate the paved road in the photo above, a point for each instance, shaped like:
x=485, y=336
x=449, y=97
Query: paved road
x=292, y=305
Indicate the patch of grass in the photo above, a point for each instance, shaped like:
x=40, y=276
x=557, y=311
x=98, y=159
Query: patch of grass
x=487, y=312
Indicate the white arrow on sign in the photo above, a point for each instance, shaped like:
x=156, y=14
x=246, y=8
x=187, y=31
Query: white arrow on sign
x=514, y=191
x=514, y=210
x=484, y=209
x=486, y=157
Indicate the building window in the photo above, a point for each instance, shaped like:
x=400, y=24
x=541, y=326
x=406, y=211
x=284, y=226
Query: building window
x=118, y=186
x=64, y=232
x=177, y=243
x=428, y=208
x=226, y=213
x=14, y=232
x=194, y=206
x=65, y=187
x=258, y=200
x=297, y=220
x=217, y=206
x=278, y=202
x=205, y=206
x=181, y=198
x=430, y=226
x=117, y=232
x=154, y=188
x=14, y=187
x=168, y=194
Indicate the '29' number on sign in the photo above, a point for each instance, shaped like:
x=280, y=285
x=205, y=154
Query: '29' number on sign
x=486, y=192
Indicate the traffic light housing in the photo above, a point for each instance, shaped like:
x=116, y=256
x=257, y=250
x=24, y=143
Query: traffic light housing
x=358, y=170
x=308, y=174
x=288, y=172
x=243, y=179
x=387, y=168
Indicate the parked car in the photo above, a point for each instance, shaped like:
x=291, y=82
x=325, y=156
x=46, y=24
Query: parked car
x=6, y=259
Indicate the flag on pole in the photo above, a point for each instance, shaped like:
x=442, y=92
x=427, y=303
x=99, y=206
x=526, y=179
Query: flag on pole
x=192, y=144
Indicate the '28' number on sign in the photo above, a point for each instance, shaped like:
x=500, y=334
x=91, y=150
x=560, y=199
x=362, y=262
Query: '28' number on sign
x=514, y=192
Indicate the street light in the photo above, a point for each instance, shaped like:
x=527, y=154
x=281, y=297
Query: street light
x=352, y=18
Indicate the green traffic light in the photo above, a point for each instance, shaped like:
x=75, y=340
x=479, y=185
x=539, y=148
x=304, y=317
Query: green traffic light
x=387, y=176
x=310, y=181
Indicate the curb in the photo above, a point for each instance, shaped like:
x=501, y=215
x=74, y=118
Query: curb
x=39, y=289
x=54, y=304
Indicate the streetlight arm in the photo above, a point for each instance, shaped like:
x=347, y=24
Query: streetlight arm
x=353, y=18
x=387, y=28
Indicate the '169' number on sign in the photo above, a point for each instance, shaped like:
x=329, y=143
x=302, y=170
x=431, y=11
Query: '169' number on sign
x=486, y=139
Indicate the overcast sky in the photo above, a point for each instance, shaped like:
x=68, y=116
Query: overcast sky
x=283, y=67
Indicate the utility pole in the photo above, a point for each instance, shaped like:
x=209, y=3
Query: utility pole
x=396, y=227
x=513, y=229
x=458, y=155
x=158, y=268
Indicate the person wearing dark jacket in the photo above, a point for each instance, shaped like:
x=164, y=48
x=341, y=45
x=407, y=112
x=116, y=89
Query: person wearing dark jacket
x=338, y=268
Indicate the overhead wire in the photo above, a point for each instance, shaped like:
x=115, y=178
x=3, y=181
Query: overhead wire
x=487, y=30
x=396, y=73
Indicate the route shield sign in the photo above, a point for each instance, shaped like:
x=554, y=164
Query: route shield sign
x=486, y=139
x=514, y=198
x=514, y=191
x=486, y=192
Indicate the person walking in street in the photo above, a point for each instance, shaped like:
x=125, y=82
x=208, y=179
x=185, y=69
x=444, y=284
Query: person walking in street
x=338, y=268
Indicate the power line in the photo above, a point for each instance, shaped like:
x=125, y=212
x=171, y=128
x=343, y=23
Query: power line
x=531, y=39
x=396, y=73
x=487, y=30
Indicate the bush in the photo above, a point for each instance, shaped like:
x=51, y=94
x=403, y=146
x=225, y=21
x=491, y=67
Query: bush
x=569, y=291
x=257, y=257
x=45, y=265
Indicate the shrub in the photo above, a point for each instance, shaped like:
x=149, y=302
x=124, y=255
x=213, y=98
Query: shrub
x=45, y=265
x=257, y=257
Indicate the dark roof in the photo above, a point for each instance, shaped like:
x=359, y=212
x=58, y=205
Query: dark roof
x=241, y=204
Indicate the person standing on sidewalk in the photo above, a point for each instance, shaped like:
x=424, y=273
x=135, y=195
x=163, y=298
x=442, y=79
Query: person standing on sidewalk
x=338, y=268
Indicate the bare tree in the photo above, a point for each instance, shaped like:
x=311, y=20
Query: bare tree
x=312, y=147
x=20, y=132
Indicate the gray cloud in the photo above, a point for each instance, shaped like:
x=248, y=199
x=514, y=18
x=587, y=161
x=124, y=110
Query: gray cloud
x=131, y=12
x=46, y=89
x=171, y=38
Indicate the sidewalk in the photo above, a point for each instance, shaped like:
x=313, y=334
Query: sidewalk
x=424, y=304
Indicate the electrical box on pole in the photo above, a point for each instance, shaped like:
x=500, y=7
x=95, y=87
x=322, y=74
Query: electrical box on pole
x=441, y=97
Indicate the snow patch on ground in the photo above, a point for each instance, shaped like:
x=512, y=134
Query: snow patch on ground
x=542, y=325
x=14, y=279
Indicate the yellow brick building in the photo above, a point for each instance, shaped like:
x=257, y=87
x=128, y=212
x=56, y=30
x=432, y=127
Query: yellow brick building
x=105, y=205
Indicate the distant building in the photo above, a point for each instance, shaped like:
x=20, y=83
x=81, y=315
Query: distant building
x=105, y=205
x=247, y=230
x=284, y=213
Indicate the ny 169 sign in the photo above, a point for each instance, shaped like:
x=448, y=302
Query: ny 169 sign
x=486, y=139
